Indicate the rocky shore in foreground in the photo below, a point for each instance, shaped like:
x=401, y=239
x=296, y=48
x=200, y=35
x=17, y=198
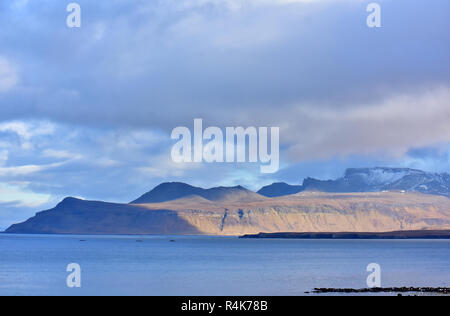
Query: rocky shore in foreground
x=429, y=290
x=411, y=234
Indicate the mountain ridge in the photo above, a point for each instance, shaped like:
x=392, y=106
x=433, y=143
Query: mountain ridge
x=376, y=179
x=170, y=191
x=363, y=200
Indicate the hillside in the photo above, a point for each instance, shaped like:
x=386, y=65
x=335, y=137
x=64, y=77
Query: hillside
x=303, y=212
x=176, y=190
x=74, y=216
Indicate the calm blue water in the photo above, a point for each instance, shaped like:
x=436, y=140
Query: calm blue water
x=119, y=265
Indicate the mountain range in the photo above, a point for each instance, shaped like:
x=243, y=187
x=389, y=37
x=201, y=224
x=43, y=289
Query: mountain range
x=370, y=180
x=177, y=190
x=364, y=200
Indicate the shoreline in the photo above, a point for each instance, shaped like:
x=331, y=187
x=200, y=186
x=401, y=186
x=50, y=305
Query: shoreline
x=394, y=235
x=429, y=290
x=412, y=234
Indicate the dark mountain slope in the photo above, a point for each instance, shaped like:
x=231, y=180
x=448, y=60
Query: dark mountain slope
x=74, y=216
x=280, y=189
x=175, y=190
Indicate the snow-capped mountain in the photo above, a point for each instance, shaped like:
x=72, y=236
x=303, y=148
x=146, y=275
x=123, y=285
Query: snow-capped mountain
x=372, y=180
x=379, y=179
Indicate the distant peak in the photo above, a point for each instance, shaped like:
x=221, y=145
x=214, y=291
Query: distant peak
x=173, y=184
x=167, y=191
x=280, y=189
x=69, y=201
x=238, y=187
x=176, y=190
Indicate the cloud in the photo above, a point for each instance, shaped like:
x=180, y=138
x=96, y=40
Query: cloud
x=60, y=154
x=389, y=127
x=435, y=158
x=23, y=132
x=19, y=4
x=26, y=170
x=26, y=130
x=237, y=4
x=4, y=154
x=162, y=167
x=8, y=75
x=18, y=196
x=91, y=162
x=160, y=64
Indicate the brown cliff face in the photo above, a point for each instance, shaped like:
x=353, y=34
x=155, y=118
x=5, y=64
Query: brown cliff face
x=315, y=212
x=303, y=212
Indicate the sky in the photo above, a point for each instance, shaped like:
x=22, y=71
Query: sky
x=88, y=112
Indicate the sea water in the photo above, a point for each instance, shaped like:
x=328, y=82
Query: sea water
x=204, y=265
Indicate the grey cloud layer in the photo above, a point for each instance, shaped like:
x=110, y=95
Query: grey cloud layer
x=391, y=126
x=163, y=63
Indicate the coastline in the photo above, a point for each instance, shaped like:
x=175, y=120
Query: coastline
x=412, y=234
x=393, y=290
